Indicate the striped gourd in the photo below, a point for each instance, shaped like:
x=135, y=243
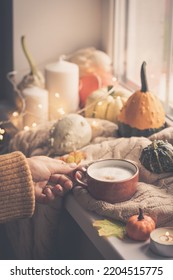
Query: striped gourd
x=158, y=157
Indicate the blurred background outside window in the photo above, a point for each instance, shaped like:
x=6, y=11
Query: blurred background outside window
x=143, y=32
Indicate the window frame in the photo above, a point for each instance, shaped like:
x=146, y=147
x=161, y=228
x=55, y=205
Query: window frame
x=119, y=47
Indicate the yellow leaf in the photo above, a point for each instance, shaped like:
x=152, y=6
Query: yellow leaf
x=70, y=159
x=76, y=156
x=109, y=228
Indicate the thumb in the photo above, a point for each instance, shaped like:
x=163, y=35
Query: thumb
x=66, y=168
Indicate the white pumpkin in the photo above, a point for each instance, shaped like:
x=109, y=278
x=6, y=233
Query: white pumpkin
x=103, y=106
x=70, y=133
x=90, y=60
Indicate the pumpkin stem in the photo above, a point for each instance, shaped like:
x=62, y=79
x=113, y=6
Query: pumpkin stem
x=140, y=217
x=28, y=57
x=144, y=83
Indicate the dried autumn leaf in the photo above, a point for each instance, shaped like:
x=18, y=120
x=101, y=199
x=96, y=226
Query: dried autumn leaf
x=108, y=228
x=76, y=156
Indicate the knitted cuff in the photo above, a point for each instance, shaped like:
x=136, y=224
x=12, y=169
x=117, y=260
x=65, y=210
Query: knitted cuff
x=17, y=198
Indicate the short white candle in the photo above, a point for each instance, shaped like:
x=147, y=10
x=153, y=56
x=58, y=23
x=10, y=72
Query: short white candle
x=163, y=236
x=62, y=83
x=161, y=241
x=36, y=110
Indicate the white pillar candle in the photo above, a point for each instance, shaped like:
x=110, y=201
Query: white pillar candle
x=36, y=110
x=62, y=83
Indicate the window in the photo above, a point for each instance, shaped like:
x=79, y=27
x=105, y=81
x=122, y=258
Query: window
x=6, y=49
x=143, y=32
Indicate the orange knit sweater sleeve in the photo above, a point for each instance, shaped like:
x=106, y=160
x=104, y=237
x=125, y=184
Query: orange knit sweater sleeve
x=17, y=198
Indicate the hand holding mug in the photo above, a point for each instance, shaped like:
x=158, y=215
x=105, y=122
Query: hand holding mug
x=111, y=180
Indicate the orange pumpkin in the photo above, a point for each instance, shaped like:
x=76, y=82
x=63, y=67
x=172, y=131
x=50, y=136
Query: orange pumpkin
x=87, y=84
x=140, y=226
x=143, y=113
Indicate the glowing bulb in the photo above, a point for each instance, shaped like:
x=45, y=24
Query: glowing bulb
x=57, y=95
x=2, y=131
x=15, y=114
x=61, y=111
x=40, y=106
x=94, y=124
x=114, y=79
x=34, y=124
x=110, y=99
x=1, y=137
x=26, y=128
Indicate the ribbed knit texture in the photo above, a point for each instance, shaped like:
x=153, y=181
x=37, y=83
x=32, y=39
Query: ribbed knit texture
x=17, y=199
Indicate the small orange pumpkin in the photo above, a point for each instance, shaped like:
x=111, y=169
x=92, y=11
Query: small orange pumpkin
x=140, y=226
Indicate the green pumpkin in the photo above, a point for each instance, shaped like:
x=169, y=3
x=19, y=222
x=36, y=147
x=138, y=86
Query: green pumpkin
x=143, y=113
x=158, y=157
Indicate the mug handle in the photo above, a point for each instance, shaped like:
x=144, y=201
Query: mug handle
x=83, y=180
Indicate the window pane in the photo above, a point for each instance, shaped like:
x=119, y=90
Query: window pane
x=147, y=37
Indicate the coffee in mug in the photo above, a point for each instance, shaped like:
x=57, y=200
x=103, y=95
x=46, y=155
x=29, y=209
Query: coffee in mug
x=111, y=180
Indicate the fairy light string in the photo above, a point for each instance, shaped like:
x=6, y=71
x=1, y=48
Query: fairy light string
x=16, y=115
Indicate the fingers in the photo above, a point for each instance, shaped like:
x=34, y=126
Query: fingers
x=58, y=190
x=75, y=171
x=78, y=174
x=61, y=180
x=57, y=186
x=50, y=193
x=44, y=195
